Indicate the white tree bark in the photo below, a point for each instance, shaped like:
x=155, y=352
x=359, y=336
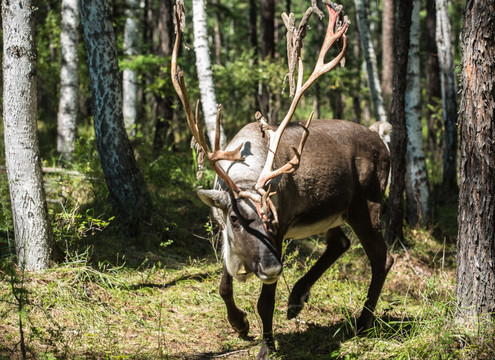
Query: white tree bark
x=370, y=57
x=33, y=235
x=443, y=38
x=130, y=79
x=205, y=75
x=69, y=79
x=417, y=188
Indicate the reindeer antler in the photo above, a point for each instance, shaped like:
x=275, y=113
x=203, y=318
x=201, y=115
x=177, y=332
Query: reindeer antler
x=295, y=36
x=193, y=121
x=295, y=39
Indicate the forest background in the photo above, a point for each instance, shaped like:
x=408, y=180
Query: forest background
x=122, y=288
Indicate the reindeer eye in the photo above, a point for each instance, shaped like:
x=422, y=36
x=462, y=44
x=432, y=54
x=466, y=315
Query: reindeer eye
x=234, y=219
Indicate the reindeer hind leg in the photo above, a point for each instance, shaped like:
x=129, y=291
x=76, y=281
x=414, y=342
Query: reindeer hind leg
x=365, y=220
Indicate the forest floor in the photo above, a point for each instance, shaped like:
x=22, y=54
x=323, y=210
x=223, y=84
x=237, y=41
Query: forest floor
x=156, y=297
x=136, y=304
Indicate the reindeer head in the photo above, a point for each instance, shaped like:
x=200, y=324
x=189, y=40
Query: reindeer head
x=249, y=247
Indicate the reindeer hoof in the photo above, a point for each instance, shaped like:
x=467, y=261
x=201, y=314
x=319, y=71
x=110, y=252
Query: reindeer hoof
x=296, y=304
x=241, y=326
x=267, y=348
x=243, y=334
x=363, y=325
x=263, y=354
x=293, y=311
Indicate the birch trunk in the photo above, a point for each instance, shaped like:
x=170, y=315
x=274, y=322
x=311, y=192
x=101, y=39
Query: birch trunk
x=69, y=80
x=449, y=91
x=130, y=84
x=370, y=57
x=205, y=75
x=33, y=234
x=124, y=179
x=417, y=188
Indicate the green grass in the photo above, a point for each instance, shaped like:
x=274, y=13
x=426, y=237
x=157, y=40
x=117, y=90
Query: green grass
x=169, y=308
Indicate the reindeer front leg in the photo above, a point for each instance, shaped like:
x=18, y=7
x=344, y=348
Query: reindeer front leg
x=237, y=317
x=266, y=306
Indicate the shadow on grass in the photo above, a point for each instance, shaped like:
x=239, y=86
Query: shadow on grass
x=189, y=277
x=227, y=354
x=316, y=342
x=324, y=342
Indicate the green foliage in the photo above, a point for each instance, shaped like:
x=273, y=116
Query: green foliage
x=153, y=67
x=48, y=64
x=73, y=226
x=237, y=85
x=85, y=158
x=433, y=138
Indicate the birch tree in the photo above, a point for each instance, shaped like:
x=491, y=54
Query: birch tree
x=475, y=287
x=449, y=91
x=205, y=75
x=69, y=79
x=416, y=182
x=124, y=179
x=33, y=235
x=130, y=84
x=370, y=58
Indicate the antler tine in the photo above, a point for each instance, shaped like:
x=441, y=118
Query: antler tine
x=319, y=69
x=331, y=36
x=294, y=163
x=217, y=128
x=193, y=121
x=198, y=132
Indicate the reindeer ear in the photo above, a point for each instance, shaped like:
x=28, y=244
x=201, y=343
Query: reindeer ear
x=215, y=198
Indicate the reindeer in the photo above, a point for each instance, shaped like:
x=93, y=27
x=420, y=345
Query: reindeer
x=260, y=199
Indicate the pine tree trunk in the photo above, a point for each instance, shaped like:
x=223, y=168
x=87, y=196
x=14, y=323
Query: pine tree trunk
x=449, y=91
x=69, y=80
x=475, y=244
x=130, y=84
x=267, y=28
x=33, y=234
x=164, y=112
x=205, y=75
x=217, y=37
x=417, y=188
x=370, y=57
x=253, y=27
x=398, y=143
x=124, y=179
x=267, y=50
